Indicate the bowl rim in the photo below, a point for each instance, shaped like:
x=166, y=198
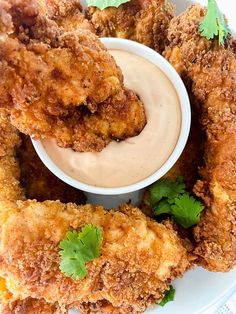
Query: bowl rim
x=154, y=57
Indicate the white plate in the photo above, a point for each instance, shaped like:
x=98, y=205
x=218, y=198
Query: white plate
x=198, y=289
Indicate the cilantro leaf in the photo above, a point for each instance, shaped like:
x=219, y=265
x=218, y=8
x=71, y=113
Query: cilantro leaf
x=74, y=268
x=169, y=296
x=170, y=197
x=186, y=210
x=79, y=248
x=214, y=24
x=163, y=207
x=103, y=4
x=91, y=238
x=166, y=188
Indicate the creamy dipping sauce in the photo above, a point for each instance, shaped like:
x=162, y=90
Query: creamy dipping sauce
x=130, y=161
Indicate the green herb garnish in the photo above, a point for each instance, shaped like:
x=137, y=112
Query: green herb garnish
x=169, y=296
x=166, y=188
x=170, y=197
x=103, y=4
x=186, y=210
x=79, y=248
x=214, y=24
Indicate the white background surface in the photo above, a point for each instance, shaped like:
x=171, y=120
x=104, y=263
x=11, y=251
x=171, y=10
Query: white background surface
x=199, y=291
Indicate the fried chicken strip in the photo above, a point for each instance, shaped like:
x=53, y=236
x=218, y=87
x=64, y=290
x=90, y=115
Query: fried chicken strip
x=212, y=69
x=66, y=13
x=10, y=305
x=9, y=168
x=119, y=117
x=139, y=257
x=56, y=83
x=10, y=190
x=145, y=21
x=30, y=306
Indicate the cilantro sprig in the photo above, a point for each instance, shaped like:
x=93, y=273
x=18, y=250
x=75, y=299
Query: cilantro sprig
x=79, y=248
x=169, y=296
x=103, y=4
x=214, y=24
x=170, y=197
x=166, y=189
x=186, y=210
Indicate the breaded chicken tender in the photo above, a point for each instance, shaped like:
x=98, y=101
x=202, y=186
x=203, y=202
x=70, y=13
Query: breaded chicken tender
x=139, y=257
x=119, y=117
x=212, y=70
x=31, y=306
x=66, y=13
x=40, y=79
x=56, y=84
x=38, y=182
x=10, y=305
x=9, y=168
x=144, y=21
x=10, y=190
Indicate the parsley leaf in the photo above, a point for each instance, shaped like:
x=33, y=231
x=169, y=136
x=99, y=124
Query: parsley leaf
x=186, y=210
x=166, y=188
x=103, y=4
x=169, y=296
x=214, y=23
x=79, y=248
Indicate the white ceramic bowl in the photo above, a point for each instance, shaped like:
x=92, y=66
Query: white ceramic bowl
x=157, y=59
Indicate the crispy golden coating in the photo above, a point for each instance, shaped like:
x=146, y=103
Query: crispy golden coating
x=10, y=190
x=66, y=13
x=9, y=169
x=139, y=257
x=54, y=83
x=212, y=69
x=38, y=182
x=145, y=21
x=31, y=306
x=119, y=117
